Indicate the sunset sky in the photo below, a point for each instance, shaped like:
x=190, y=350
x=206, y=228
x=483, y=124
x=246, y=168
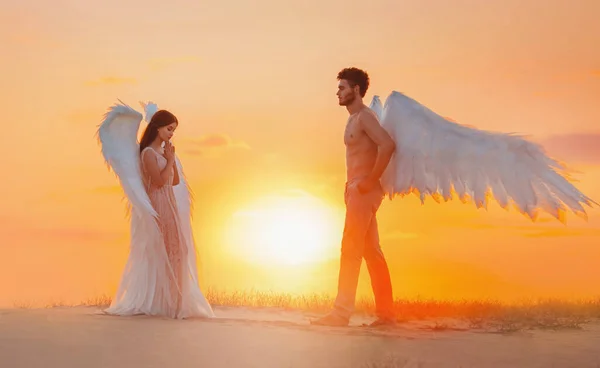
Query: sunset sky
x=253, y=85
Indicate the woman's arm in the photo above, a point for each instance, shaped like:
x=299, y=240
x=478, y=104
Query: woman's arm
x=158, y=177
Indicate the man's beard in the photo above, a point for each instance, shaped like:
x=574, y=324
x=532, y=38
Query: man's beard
x=348, y=100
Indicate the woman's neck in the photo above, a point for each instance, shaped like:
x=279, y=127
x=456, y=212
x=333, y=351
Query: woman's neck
x=156, y=144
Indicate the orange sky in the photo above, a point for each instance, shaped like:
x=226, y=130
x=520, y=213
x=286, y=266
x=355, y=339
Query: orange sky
x=253, y=85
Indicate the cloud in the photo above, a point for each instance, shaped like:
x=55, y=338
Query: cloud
x=111, y=81
x=163, y=63
x=550, y=233
x=553, y=233
x=583, y=147
x=536, y=230
x=213, y=144
x=215, y=140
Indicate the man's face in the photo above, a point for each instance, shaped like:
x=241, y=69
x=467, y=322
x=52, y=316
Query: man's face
x=346, y=94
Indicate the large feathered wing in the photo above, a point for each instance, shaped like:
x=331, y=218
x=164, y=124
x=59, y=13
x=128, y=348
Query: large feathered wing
x=437, y=157
x=184, y=198
x=118, y=138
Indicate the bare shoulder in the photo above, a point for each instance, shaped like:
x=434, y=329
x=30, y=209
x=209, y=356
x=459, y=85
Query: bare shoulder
x=368, y=119
x=148, y=157
x=369, y=124
x=145, y=151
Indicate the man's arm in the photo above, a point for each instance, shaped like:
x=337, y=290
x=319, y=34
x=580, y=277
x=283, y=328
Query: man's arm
x=385, y=144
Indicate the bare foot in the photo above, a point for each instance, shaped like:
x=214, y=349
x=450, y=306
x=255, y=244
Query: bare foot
x=330, y=320
x=382, y=322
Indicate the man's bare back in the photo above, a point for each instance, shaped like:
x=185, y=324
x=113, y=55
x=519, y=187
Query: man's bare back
x=361, y=150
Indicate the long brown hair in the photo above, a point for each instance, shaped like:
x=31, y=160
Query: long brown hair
x=160, y=119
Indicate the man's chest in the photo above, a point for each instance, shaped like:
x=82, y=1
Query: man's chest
x=352, y=133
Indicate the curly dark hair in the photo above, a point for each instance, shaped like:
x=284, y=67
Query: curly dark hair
x=356, y=76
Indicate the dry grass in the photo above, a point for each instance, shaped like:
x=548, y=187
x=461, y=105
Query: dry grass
x=97, y=301
x=391, y=362
x=479, y=314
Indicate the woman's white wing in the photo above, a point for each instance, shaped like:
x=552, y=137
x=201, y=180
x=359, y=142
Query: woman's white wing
x=435, y=156
x=118, y=138
x=150, y=108
x=185, y=200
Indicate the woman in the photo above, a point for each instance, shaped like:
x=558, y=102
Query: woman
x=160, y=277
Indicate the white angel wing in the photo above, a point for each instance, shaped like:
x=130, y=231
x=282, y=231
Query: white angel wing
x=150, y=108
x=377, y=107
x=435, y=156
x=184, y=199
x=117, y=135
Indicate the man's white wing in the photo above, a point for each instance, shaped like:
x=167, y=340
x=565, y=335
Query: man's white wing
x=437, y=157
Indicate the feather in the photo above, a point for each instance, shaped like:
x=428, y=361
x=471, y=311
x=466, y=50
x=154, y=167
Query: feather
x=377, y=107
x=437, y=157
x=185, y=200
x=150, y=108
x=117, y=134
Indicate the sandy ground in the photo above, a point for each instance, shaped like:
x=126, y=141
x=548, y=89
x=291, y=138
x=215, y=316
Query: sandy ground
x=239, y=337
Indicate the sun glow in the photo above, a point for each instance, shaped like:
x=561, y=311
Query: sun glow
x=283, y=229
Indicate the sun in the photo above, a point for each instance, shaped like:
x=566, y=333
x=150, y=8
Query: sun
x=286, y=229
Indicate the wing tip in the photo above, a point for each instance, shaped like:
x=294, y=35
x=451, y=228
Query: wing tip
x=530, y=210
x=150, y=108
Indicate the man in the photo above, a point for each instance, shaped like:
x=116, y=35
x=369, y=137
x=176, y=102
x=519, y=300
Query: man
x=369, y=149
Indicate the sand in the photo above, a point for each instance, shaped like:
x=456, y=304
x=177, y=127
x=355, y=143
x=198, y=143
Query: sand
x=84, y=337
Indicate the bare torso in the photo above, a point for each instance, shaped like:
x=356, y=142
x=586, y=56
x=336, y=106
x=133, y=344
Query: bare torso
x=361, y=150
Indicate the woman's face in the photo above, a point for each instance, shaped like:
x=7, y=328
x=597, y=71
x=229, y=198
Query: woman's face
x=166, y=133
